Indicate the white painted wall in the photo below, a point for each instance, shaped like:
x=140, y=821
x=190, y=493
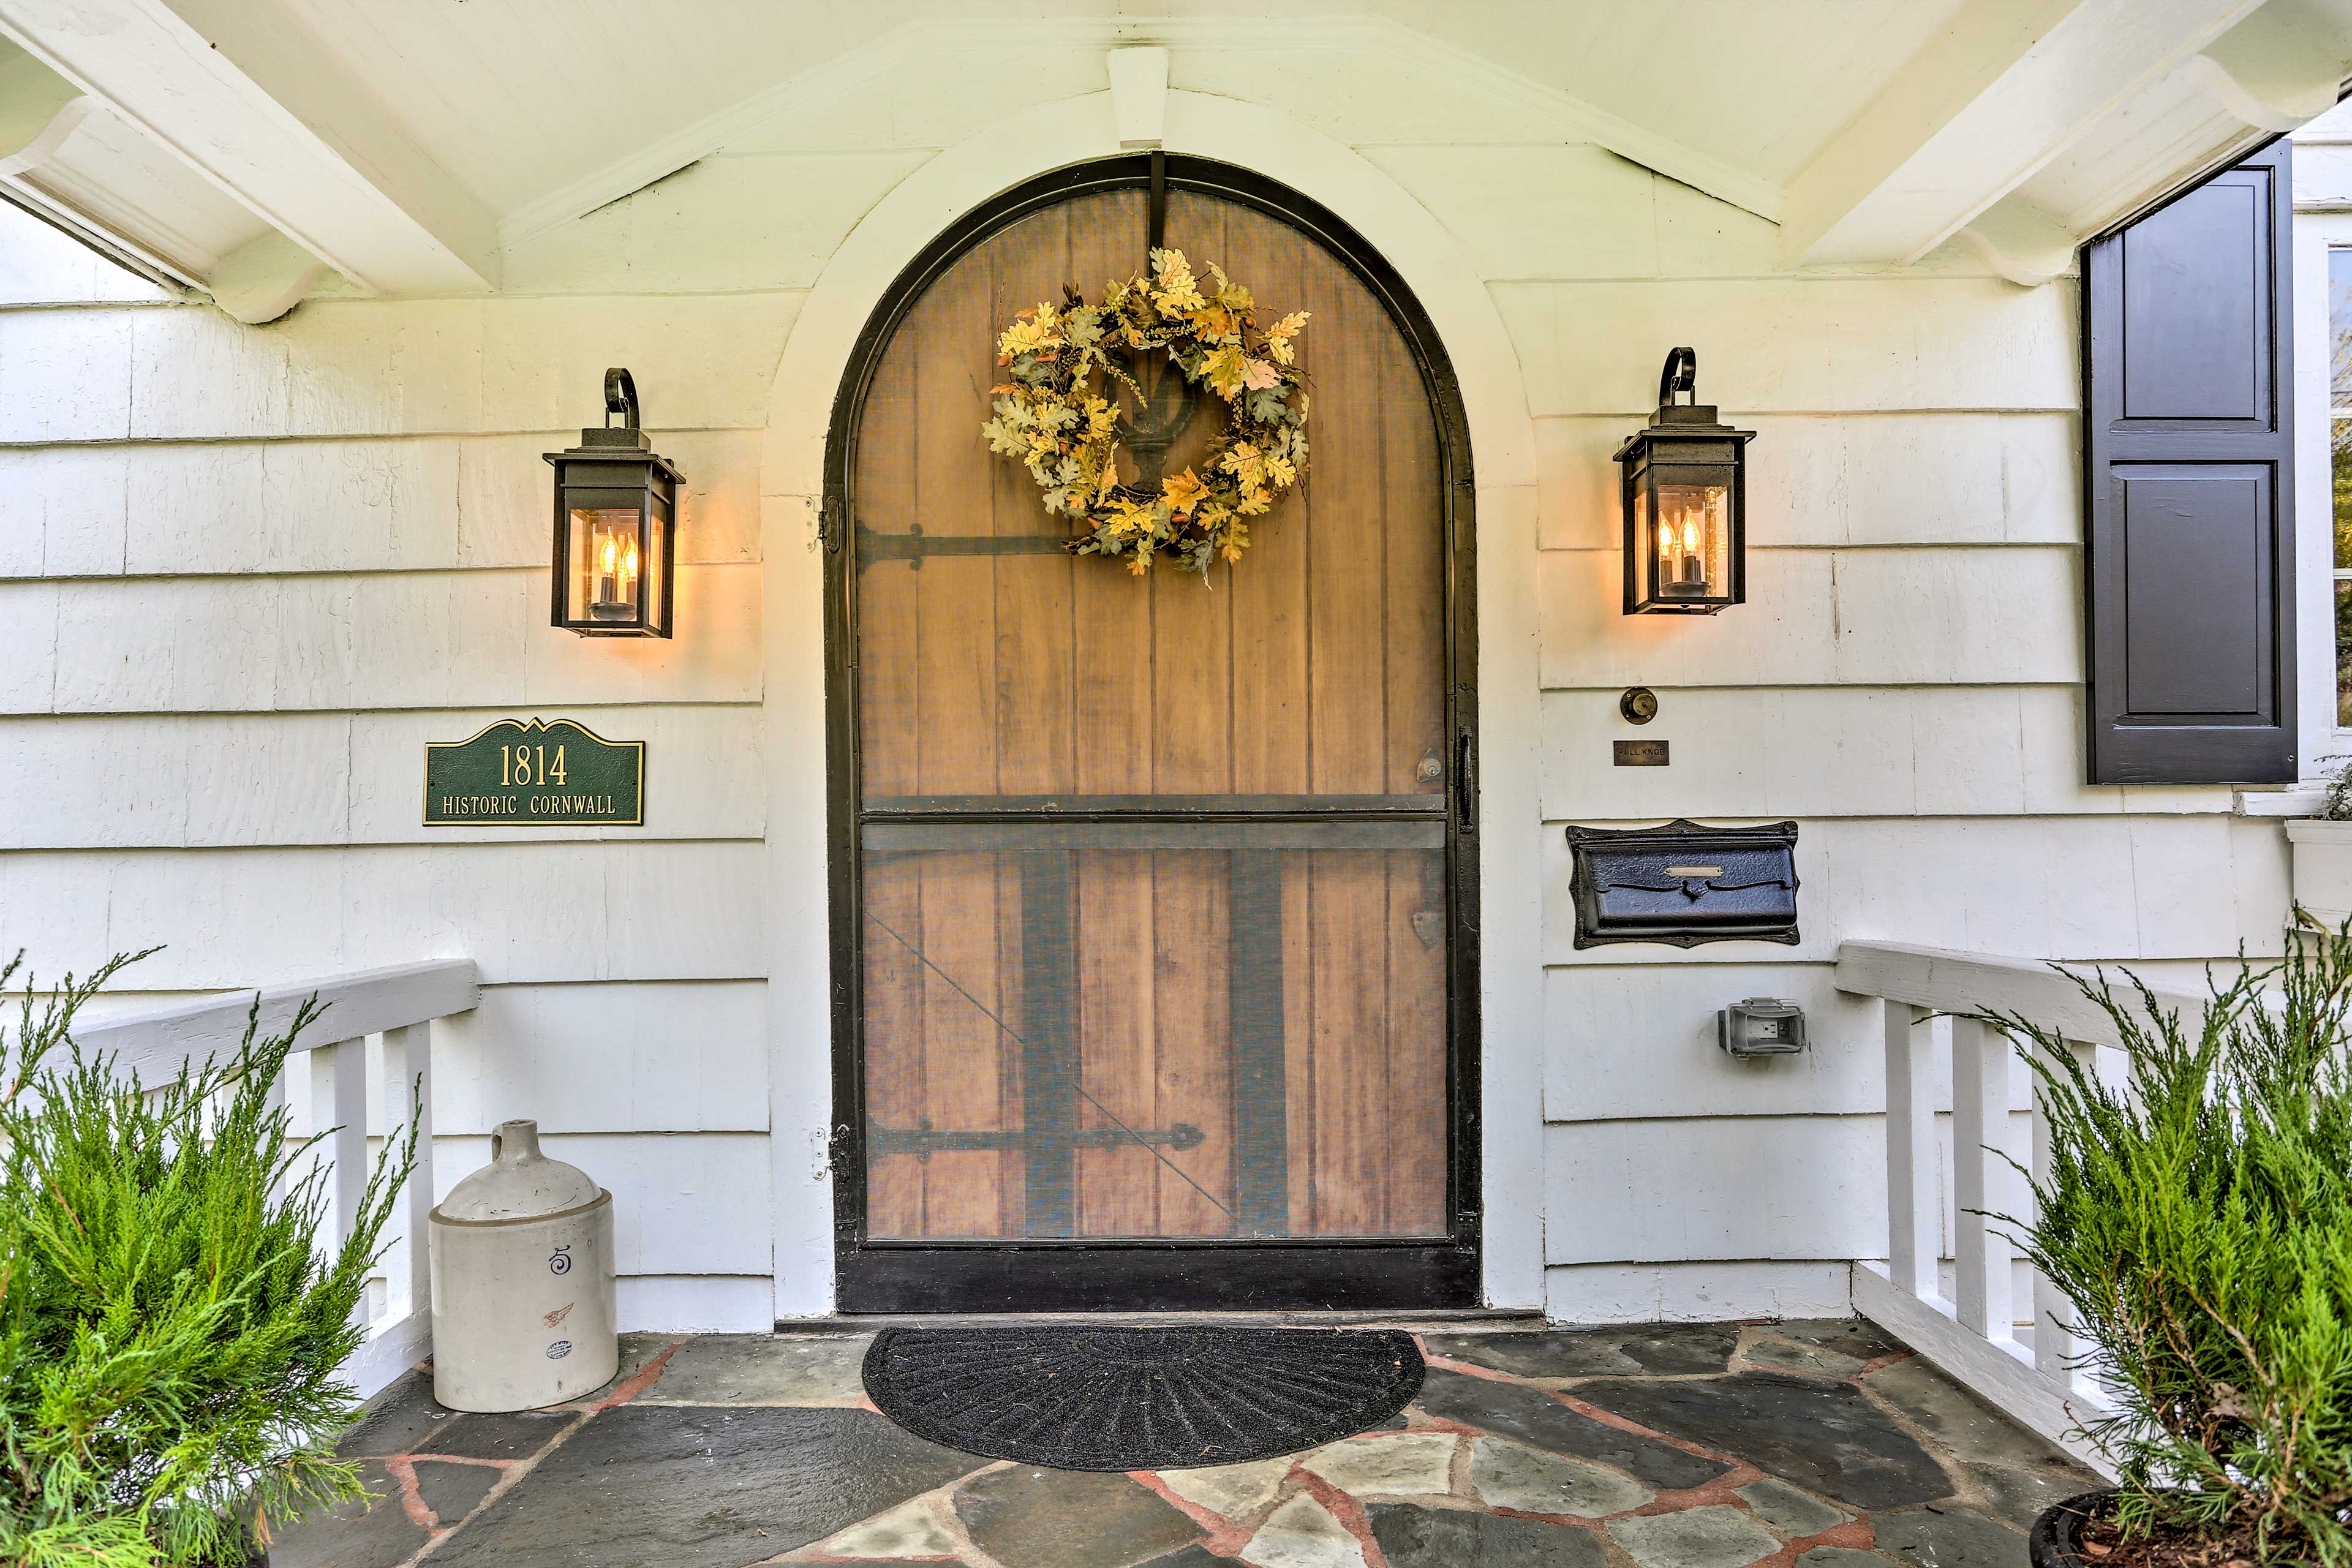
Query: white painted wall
x=246, y=573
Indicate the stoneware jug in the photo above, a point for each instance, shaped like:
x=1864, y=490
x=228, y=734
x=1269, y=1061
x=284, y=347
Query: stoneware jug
x=522, y=1282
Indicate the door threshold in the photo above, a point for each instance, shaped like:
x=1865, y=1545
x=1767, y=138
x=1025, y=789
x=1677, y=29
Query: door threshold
x=1470, y=1319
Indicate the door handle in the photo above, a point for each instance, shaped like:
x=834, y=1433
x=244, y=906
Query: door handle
x=1465, y=777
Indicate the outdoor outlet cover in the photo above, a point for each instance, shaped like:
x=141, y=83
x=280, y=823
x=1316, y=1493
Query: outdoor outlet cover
x=1761, y=1026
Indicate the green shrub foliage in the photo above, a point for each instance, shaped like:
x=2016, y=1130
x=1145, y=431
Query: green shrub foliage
x=2198, y=1215
x=168, y=1339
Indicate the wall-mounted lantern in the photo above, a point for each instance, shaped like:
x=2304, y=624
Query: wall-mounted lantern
x=1685, y=503
x=615, y=526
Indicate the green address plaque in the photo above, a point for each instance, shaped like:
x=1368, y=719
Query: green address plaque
x=532, y=773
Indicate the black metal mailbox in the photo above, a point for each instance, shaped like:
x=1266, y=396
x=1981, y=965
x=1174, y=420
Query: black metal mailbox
x=1685, y=883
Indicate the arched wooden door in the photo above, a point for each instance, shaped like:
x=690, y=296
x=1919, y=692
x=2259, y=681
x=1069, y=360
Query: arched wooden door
x=1153, y=964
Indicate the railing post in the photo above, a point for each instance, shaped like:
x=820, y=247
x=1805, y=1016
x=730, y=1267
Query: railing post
x=339, y=1101
x=1914, y=1195
x=1980, y=1256
x=2055, y=1343
x=408, y=1091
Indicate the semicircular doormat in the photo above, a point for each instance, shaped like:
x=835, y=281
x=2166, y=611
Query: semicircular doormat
x=1082, y=1399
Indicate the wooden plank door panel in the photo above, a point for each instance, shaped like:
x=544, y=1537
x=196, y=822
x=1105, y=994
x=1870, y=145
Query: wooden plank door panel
x=1085, y=1013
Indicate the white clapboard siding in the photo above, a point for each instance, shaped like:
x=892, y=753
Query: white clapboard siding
x=614, y=1058
x=722, y=223
x=1640, y=1042
x=363, y=367
x=69, y=372
x=425, y=639
x=1824, y=480
x=64, y=517
x=229, y=779
x=1836, y=344
x=1838, y=751
x=695, y=1303
x=1968, y=617
x=688, y=1203
x=2096, y=888
x=2323, y=175
x=374, y=504
x=1724, y=1187
x=504, y=494
x=232, y=918
x=1710, y=1292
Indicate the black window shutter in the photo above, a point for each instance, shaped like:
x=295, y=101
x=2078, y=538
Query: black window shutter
x=2189, y=470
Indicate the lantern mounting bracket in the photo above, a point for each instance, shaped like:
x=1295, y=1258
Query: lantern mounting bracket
x=1680, y=374
x=621, y=396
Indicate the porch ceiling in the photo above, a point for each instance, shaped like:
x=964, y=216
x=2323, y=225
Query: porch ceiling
x=241, y=143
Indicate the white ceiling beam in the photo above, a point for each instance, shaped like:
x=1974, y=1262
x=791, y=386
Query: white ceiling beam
x=2005, y=90
x=339, y=183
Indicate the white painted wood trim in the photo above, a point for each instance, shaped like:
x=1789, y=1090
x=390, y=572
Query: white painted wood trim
x=2296, y=800
x=1948, y=981
x=408, y=1093
x=155, y=71
x=156, y=1045
x=2001, y=1374
x=2056, y=1346
x=1487, y=363
x=1138, y=95
x=1980, y=1257
x=389, y=1350
x=2279, y=67
x=1966, y=122
x=328, y=1073
x=1914, y=1209
x=339, y=1122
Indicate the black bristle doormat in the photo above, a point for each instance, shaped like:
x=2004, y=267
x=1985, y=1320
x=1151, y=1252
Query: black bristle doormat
x=1077, y=1397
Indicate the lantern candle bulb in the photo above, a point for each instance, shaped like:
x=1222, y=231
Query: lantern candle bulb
x=616, y=580
x=1690, y=569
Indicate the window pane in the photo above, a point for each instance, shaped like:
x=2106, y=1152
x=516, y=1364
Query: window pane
x=2344, y=654
x=2339, y=322
x=2341, y=463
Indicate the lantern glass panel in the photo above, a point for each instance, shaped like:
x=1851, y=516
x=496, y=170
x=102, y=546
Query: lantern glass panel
x=609, y=556
x=657, y=553
x=1690, y=534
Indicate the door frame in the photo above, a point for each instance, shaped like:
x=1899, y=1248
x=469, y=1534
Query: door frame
x=1088, y=1273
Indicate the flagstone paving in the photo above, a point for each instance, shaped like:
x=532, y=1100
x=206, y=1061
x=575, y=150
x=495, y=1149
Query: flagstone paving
x=1783, y=1444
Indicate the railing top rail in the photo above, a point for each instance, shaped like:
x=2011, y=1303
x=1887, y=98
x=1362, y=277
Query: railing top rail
x=1948, y=981
x=157, y=1044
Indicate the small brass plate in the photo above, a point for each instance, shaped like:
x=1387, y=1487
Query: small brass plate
x=1640, y=754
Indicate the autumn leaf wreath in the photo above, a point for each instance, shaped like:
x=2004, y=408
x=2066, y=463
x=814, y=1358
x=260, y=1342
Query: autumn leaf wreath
x=1055, y=416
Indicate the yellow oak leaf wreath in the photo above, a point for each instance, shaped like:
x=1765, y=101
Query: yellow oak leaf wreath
x=1056, y=416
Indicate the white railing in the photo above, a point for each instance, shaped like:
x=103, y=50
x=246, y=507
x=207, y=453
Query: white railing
x=2025, y=1368
x=325, y=1085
